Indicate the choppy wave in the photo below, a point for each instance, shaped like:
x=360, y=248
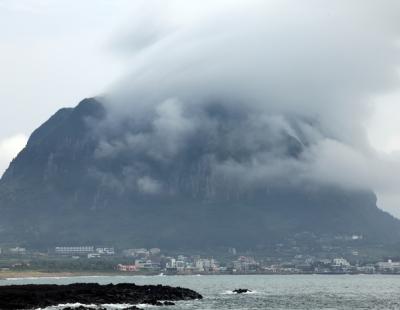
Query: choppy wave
x=92, y=306
x=71, y=305
x=278, y=292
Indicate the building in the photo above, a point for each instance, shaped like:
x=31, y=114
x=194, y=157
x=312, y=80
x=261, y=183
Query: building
x=126, y=268
x=205, y=265
x=171, y=263
x=17, y=250
x=340, y=262
x=367, y=269
x=245, y=264
x=94, y=255
x=388, y=266
x=74, y=250
x=141, y=252
x=105, y=251
x=140, y=263
x=146, y=264
x=180, y=265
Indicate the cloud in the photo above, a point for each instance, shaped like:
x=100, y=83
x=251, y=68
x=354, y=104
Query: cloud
x=9, y=148
x=260, y=93
x=148, y=185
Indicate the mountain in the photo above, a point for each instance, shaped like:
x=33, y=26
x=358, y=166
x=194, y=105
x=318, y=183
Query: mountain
x=76, y=182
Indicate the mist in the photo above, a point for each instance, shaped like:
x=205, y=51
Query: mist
x=260, y=93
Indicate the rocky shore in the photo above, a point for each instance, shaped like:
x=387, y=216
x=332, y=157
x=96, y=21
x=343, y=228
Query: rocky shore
x=43, y=295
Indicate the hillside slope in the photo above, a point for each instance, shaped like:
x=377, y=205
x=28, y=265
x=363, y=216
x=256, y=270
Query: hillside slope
x=64, y=188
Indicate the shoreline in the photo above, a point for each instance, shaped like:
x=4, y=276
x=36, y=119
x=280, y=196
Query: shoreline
x=16, y=275
x=5, y=275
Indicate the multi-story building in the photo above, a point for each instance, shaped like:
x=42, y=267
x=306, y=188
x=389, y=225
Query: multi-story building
x=340, y=262
x=205, y=265
x=17, y=250
x=388, y=266
x=180, y=265
x=74, y=250
x=143, y=264
x=171, y=263
x=245, y=264
x=105, y=251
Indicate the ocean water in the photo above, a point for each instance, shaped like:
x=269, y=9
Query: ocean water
x=268, y=291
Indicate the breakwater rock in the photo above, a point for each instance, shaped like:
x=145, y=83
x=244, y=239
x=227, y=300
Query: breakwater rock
x=242, y=291
x=33, y=296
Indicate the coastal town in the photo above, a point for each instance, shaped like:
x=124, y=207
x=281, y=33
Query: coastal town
x=153, y=261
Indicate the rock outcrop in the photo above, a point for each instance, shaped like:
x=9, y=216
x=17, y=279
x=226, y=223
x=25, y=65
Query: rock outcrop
x=44, y=295
x=242, y=290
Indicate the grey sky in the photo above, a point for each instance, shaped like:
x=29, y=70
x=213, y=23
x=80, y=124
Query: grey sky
x=54, y=53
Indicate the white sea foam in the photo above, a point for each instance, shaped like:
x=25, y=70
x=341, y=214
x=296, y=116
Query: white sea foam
x=71, y=305
x=117, y=306
x=228, y=292
x=92, y=306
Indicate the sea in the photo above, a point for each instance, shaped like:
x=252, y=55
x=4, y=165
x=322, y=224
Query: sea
x=267, y=291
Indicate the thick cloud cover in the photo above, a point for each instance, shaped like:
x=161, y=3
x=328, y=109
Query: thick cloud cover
x=262, y=91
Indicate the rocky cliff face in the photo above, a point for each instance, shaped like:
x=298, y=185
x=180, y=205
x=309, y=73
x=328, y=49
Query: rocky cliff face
x=78, y=181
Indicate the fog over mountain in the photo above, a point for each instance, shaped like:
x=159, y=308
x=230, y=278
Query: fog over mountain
x=271, y=69
x=242, y=127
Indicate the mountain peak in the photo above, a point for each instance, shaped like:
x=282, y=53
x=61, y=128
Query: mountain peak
x=71, y=194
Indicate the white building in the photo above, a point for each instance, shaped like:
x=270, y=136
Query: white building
x=105, y=251
x=74, y=250
x=340, y=262
x=388, y=266
x=205, y=264
x=244, y=263
x=140, y=263
x=17, y=250
x=171, y=263
x=180, y=265
x=93, y=255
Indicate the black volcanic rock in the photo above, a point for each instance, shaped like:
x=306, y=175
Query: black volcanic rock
x=44, y=295
x=80, y=182
x=242, y=290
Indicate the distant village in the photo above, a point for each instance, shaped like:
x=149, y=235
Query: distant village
x=154, y=261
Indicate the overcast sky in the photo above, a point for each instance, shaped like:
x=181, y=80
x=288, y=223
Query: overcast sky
x=55, y=53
